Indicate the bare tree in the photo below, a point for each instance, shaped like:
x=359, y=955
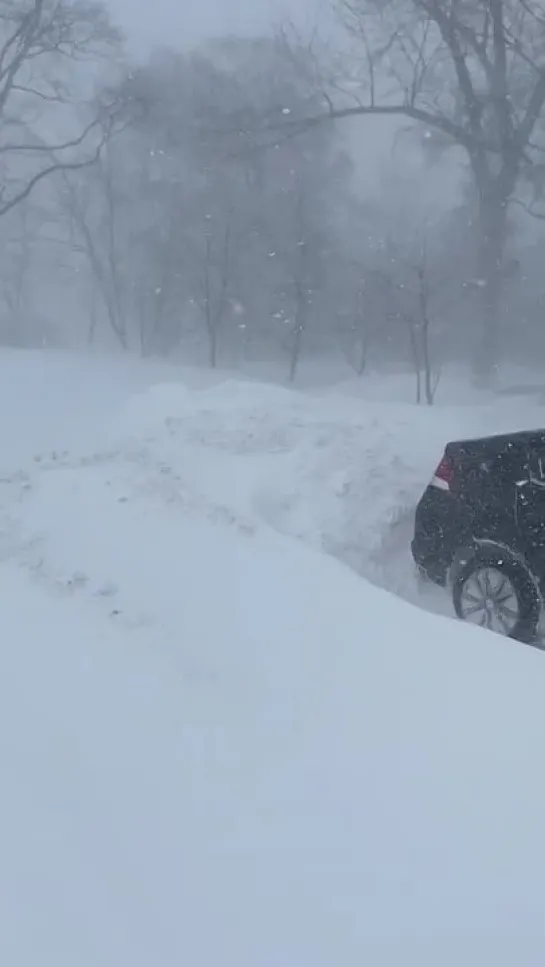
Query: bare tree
x=411, y=320
x=299, y=321
x=362, y=328
x=473, y=74
x=18, y=265
x=37, y=39
x=98, y=245
x=422, y=332
x=366, y=288
x=215, y=267
x=112, y=254
x=301, y=279
x=407, y=294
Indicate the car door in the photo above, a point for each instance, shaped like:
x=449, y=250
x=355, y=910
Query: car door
x=531, y=504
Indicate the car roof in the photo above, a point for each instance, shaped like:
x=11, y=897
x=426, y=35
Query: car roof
x=498, y=443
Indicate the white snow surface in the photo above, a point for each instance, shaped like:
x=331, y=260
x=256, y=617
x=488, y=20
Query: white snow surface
x=220, y=745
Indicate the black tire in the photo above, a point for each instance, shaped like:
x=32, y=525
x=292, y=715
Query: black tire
x=518, y=577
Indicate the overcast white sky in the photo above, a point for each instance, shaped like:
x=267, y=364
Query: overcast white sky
x=185, y=22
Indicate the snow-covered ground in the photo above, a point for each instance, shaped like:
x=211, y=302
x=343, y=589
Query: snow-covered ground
x=220, y=745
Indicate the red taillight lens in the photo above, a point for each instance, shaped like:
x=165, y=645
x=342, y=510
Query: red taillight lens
x=444, y=475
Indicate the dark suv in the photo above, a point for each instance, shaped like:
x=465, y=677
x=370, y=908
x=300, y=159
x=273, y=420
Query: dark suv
x=480, y=529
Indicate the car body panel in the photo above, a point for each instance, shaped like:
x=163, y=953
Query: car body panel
x=497, y=493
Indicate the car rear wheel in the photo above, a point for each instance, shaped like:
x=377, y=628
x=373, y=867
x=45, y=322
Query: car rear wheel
x=499, y=594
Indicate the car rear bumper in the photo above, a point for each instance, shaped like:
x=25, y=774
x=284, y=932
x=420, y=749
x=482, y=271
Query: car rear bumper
x=438, y=532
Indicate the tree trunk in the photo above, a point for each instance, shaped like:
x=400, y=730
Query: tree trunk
x=116, y=326
x=143, y=324
x=493, y=227
x=428, y=375
x=424, y=334
x=93, y=313
x=298, y=332
x=295, y=353
x=415, y=352
x=362, y=362
x=212, y=346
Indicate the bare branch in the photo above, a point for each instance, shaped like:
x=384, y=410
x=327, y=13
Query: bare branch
x=429, y=118
x=50, y=98
x=532, y=115
x=539, y=18
x=7, y=206
x=447, y=25
x=540, y=216
x=499, y=81
x=36, y=29
x=39, y=146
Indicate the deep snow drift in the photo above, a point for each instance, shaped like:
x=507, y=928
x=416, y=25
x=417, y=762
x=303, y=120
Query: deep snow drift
x=220, y=746
x=340, y=472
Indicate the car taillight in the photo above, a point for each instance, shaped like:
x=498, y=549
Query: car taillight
x=444, y=474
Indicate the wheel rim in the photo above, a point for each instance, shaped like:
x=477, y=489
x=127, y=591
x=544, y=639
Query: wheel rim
x=489, y=600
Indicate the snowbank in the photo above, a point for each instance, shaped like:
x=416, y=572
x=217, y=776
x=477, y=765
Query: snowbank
x=337, y=470
x=219, y=747
x=56, y=400
x=339, y=473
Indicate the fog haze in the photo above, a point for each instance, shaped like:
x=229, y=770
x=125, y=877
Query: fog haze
x=202, y=216
x=180, y=23
x=261, y=260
